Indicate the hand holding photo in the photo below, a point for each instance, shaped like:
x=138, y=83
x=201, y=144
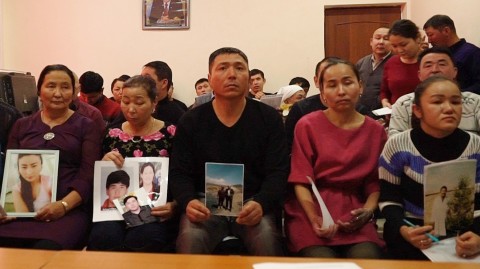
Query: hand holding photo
x=449, y=193
x=433, y=238
x=29, y=182
x=224, y=188
x=134, y=208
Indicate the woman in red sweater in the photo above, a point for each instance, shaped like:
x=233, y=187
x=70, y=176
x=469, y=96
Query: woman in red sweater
x=400, y=75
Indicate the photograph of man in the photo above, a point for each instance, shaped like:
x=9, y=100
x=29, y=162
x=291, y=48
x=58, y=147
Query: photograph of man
x=136, y=215
x=440, y=211
x=117, y=186
x=221, y=197
x=167, y=11
x=229, y=192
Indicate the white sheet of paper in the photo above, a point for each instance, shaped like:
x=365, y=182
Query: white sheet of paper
x=382, y=111
x=327, y=218
x=316, y=265
x=444, y=251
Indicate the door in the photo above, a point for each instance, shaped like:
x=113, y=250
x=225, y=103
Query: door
x=348, y=29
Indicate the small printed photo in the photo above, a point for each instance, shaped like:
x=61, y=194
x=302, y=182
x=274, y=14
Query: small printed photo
x=110, y=183
x=224, y=188
x=117, y=184
x=135, y=209
x=150, y=173
x=29, y=181
x=152, y=177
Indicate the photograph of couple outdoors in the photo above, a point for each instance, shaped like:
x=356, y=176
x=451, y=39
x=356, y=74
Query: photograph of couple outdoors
x=224, y=188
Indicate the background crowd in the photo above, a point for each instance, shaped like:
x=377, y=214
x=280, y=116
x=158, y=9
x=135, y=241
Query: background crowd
x=331, y=141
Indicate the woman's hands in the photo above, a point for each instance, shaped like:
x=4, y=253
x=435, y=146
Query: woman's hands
x=3, y=216
x=386, y=103
x=325, y=232
x=51, y=212
x=467, y=245
x=360, y=216
x=417, y=236
x=114, y=156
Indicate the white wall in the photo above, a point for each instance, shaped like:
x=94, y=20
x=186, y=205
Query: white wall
x=465, y=14
x=1, y=34
x=106, y=36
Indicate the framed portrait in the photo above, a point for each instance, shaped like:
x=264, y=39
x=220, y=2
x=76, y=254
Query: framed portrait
x=29, y=181
x=165, y=14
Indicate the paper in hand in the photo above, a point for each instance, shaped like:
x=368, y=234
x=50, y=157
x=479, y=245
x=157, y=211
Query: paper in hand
x=326, y=217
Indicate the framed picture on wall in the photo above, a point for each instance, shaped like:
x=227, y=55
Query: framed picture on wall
x=165, y=14
x=29, y=181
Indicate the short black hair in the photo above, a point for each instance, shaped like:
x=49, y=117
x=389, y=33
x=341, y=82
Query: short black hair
x=200, y=81
x=118, y=176
x=302, y=82
x=255, y=71
x=225, y=50
x=162, y=70
x=440, y=21
x=436, y=49
x=128, y=197
x=91, y=82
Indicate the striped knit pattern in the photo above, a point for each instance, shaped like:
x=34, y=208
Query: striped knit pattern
x=402, y=175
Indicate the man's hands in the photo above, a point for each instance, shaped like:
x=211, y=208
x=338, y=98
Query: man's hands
x=196, y=211
x=251, y=213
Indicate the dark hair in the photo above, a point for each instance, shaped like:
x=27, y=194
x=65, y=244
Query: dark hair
x=225, y=50
x=440, y=21
x=405, y=28
x=147, y=83
x=255, y=71
x=339, y=61
x=426, y=84
x=118, y=176
x=25, y=186
x=444, y=187
x=162, y=70
x=200, y=81
x=122, y=78
x=128, y=197
x=302, y=82
x=327, y=60
x=91, y=82
x=51, y=68
x=436, y=49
